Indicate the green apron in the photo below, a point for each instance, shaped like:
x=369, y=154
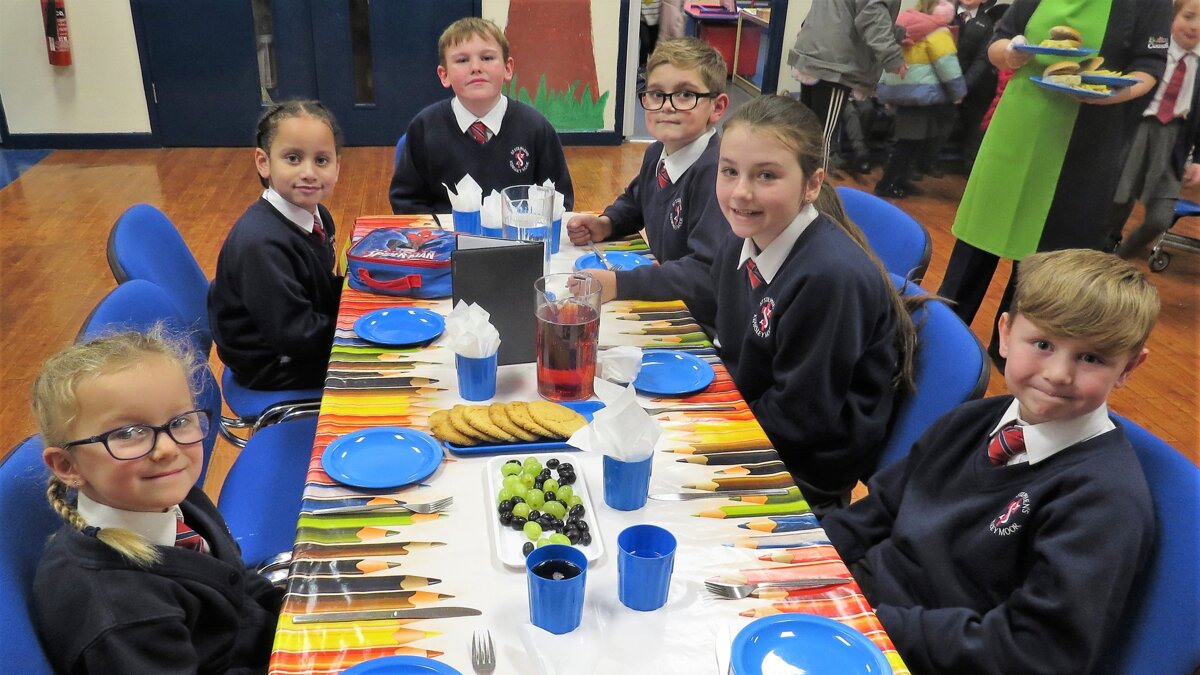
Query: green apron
x=1004, y=207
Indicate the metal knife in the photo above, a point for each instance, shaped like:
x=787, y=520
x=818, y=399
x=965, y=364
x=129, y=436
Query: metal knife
x=603, y=258
x=687, y=496
x=372, y=615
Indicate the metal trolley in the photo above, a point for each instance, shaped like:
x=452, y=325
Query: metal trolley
x=1159, y=259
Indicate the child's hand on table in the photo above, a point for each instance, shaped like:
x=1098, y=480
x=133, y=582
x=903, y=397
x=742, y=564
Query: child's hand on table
x=585, y=227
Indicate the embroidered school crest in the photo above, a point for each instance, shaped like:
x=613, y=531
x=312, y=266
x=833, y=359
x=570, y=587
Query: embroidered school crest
x=1013, y=517
x=520, y=159
x=675, y=214
x=1158, y=42
x=761, y=321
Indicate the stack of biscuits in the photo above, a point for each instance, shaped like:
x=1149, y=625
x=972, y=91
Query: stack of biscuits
x=512, y=422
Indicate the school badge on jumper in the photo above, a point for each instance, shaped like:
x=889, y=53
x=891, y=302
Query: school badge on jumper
x=1013, y=517
x=520, y=159
x=675, y=214
x=761, y=321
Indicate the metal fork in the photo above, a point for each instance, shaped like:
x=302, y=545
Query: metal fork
x=732, y=591
x=483, y=652
x=415, y=507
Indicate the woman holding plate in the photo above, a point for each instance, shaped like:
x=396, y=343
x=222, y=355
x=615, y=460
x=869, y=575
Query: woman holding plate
x=1049, y=163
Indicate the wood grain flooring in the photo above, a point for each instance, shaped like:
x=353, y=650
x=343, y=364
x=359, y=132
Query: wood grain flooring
x=56, y=217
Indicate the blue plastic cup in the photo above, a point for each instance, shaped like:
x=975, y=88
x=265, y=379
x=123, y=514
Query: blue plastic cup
x=557, y=575
x=476, y=377
x=495, y=232
x=555, y=234
x=644, y=566
x=467, y=222
x=626, y=484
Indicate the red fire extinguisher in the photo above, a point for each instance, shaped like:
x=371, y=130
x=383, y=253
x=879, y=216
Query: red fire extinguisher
x=58, y=42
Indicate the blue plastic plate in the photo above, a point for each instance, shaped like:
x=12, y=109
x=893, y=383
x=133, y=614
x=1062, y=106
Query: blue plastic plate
x=668, y=372
x=622, y=260
x=401, y=665
x=1084, y=93
x=400, y=326
x=804, y=643
x=585, y=408
x=1054, y=51
x=382, y=457
x=1114, y=81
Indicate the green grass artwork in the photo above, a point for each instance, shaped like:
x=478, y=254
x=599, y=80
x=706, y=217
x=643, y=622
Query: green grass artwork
x=566, y=110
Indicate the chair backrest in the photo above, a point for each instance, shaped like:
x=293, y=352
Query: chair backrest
x=951, y=368
x=1160, y=631
x=136, y=306
x=897, y=238
x=28, y=522
x=144, y=244
x=399, y=150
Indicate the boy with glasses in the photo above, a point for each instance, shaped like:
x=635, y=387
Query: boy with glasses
x=673, y=197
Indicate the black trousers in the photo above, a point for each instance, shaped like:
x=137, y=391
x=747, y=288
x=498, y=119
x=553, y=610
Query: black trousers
x=826, y=100
x=968, y=275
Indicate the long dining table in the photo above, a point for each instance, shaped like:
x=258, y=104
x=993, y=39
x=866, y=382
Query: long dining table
x=391, y=560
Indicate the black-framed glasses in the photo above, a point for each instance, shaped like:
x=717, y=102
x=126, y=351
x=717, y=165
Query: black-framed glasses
x=680, y=100
x=138, y=440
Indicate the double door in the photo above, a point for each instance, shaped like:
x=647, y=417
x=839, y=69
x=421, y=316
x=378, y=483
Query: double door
x=212, y=65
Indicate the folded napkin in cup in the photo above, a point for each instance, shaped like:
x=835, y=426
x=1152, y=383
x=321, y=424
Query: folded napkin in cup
x=559, y=200
x=620, y=364
x=622, y=429
x=469, y=331
x=466, y=196
x=490, y=216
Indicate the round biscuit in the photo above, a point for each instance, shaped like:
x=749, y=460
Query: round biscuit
x=499, y=416
x=446, y=433
x=518, y=412
x=477, y=417
x=458, y=420
x=557, y=418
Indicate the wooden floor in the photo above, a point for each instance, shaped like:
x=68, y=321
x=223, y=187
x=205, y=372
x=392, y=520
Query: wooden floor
x=56, y=219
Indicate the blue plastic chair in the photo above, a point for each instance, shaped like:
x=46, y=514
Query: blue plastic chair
x=144, y=244
x=136, y=306
x=28, y=523
x=1160, y=631
x=399, y=150
x=900, y=241
x=262, y=494
x=951, y=369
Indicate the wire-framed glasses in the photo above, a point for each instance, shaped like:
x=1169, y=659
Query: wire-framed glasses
x=138, y=440
x=680, y=100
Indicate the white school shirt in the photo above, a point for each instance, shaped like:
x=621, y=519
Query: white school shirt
x=1183, y=103
x=1043, y=441
x=770, y=259
x=157, y=528
x=682, y=159
x=492, y=120
x=297, y=215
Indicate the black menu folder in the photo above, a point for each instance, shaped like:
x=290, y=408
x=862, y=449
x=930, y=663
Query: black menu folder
x=498, y=275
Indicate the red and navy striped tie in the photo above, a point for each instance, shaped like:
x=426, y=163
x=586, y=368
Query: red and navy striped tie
x=664, y=179
x=756, y=277
x=186, y=537
x=1007, y=443
x=318, y=231
x=479, y=132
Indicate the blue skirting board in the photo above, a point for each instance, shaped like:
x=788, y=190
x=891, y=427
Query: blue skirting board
x=13, y=163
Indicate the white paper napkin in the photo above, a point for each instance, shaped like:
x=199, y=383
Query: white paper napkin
x=469, y=331
x=622, y=429
x=559, y=200
x=490, y=216
x=466, y=196
x=620, y=364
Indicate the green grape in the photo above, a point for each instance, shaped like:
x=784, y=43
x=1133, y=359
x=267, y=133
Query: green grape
x=521, y=510
x=574, y=500
x=527, y=479
x=555, y=508
x=510, y=469
x=558, y=538
x=535, y=498
x=519, y=490
x=504, y=493
x=511, y=482
x=550, y=485
x=531, y=465
x=533, y=530
x=564, y=493
x=543, y=541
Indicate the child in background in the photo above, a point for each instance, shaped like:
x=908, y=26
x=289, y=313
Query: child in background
x=672, y=196
x=925, y=97
x=995, y=548
x=976, y=20
x=497, y=140
x=811, y=329
x=143, y=577
x=274, y=301
x=1166, y=145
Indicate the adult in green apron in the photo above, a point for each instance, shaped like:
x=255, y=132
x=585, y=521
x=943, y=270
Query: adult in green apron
x=1049, y=163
